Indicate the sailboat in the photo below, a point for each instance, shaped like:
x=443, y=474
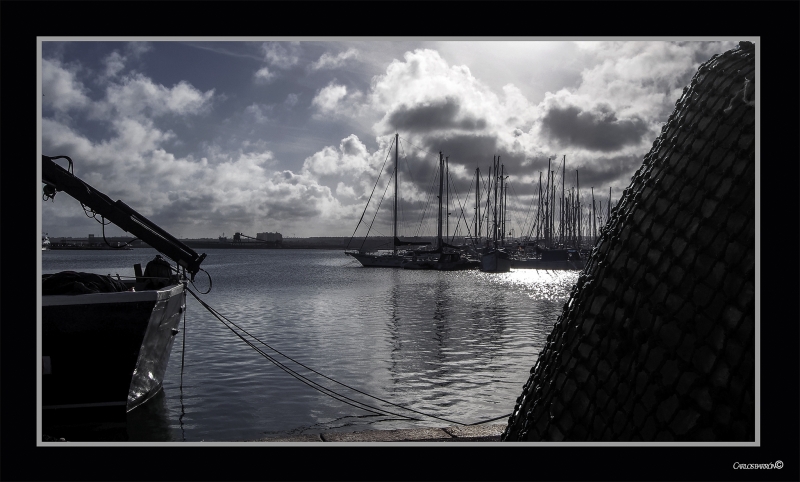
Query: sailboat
x=496, y=259
x=557, y=254
x=450, y=260
x=393, y=259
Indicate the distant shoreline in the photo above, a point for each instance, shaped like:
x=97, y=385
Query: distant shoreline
x=330, y=243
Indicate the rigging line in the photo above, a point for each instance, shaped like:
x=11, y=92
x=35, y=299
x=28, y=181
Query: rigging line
x=377, y=210
x=461, y=206
x=434, y=173
x=410, y=174
x=463, y=216
x=408, y=168
x=516, y=220
x=475, y=217
x=370, y=195
x=421, y=149
x=536, y=222
x=291, y=372
x=431, y=195
x=530, y=208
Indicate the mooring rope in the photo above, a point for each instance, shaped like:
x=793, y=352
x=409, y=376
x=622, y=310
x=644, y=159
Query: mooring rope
x=327, y=391
x=288, y=370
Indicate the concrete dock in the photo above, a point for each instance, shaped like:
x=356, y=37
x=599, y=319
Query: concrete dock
x=478, y=433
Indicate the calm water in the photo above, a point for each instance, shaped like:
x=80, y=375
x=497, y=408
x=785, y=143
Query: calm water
x=454, y=345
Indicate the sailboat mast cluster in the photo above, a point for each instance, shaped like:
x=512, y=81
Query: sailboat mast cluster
x=569, y=222
x=563, y=224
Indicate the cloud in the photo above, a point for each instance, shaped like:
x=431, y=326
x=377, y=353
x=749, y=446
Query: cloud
x=438, y=114
x=60, y=87
x=138, y=95
x=328, y=61
x=333, y=100
x=138, y=49
x=115, y=62
x=594, y=129
x=282, y=55
x=160, y=151
x=424, y=94
x=291, y=100
x=263, y=76
x=642, y=78
x=258, y=112
x=351, y=157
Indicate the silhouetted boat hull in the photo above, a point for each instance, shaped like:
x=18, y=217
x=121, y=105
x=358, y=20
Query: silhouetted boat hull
x=104, y=354
x=495, y=261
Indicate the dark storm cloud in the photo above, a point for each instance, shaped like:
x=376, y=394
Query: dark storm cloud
x=598, y=130
x=184, y=210
x=468, y=150
x=614, y=170
x=283, y=210
x=442, y=114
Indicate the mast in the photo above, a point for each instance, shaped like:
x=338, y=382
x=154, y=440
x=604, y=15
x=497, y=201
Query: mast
x=539, y=212
x=547, y=207
x=505, y=207
x=563, y=218
x=488, y=200
x=578, y=184
x=494, y=225
x=441, y=184
x=553, y=204
x=477, y=203
x=594, y=220
x=502, y=226
x=394, y=228
x=553, y=196
x=447, y=196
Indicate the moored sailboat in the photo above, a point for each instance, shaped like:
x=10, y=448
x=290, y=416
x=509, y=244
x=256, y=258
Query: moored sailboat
x=495, y=259
x=390, y=258
x=449, y=257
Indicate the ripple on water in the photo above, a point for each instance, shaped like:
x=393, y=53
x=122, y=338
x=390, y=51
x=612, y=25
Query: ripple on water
x=458, y=345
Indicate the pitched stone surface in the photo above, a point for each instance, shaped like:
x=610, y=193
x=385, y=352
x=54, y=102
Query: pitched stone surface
x=656, y=342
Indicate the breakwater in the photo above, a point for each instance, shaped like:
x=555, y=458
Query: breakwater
x=656, y=342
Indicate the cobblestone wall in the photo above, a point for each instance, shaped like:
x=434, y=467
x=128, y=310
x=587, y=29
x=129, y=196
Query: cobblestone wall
x=656, y=341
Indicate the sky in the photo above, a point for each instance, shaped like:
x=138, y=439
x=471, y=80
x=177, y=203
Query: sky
x=205, y=137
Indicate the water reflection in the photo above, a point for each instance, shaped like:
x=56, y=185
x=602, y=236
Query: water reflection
x=150, y=422
x=457, y=345
x=147, y=423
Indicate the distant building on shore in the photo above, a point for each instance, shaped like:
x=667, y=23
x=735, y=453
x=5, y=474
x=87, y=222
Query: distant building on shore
x=271, y=237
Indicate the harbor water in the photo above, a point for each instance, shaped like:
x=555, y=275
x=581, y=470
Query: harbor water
x=451, y=346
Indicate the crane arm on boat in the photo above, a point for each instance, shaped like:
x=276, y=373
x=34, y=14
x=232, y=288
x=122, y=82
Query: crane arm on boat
x=56, y=178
